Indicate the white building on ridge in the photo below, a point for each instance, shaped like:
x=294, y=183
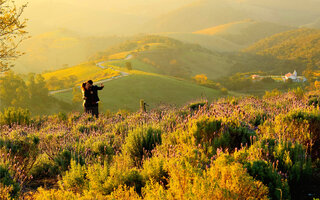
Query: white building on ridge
x=294, y=77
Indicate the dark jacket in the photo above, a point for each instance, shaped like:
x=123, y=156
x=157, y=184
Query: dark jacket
x=91, y=96
x=88, y=98
x=95, y=97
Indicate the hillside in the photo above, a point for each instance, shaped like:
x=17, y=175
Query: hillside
x=230, y=37
x=167, y=56
x=214, y=43
x=71, y=76
x=126, y=92
x=59, y=48
x=244, y=32
x=301, y=44
x=163, y=55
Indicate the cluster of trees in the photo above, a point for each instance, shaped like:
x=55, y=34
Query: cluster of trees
x=242, y=82
x=31, y=93
x=202, y=79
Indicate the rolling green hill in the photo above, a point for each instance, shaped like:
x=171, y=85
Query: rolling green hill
x=171, y=57
x=126, y=92
x=301, y=45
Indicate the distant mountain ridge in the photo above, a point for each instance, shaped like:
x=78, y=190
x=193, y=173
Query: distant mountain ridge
x=209, y=13
x=231, y=36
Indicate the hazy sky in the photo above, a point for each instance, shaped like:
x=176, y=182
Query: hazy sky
x=44, y=15
x=92, y=17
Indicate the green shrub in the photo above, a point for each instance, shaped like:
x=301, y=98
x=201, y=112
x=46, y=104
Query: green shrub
x=314, y=101
x=44, y=168
x=235, y=137
x=197, y=105
x=289, y=159
x=104, y=179
x=14, y=115
x=6, y=180
x=263, y=172
x=154, y=170
x=212, y=133
x=97, y=175
x=74, y=179
x=140, y=142
x=302, y=126
x=134, y=179
x=22, y=151
x=63, y=159
x=205, y=130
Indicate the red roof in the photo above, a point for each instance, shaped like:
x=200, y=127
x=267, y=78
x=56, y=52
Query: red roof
x=288, y=75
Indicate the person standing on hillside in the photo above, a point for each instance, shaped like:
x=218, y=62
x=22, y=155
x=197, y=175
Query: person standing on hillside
x=87, y=96
x=94, y=98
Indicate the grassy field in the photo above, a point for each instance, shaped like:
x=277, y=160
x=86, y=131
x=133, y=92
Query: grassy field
x=126, y=92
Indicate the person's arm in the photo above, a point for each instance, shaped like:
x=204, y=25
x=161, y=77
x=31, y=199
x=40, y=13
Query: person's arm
x=101, y=87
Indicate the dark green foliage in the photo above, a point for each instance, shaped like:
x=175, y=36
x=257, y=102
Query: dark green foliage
x=63, y=159
x=314, y=101
x=140, y=142
x=7, y=180
x=234, y=137
x=206, y=130
x=196, y=106
x=290, y=159
x=44, y=169
x=264, y=172
x=259, y=119
x=212, y=134
x=21, y=147
x=134, y=179
x=87, y=128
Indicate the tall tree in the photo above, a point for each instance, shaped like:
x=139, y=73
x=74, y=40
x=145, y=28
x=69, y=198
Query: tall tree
x=12, y=32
